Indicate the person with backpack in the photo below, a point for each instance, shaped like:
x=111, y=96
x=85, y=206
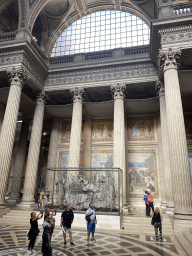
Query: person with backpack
x=67, y=218
x=157, y=222
x=145, y=200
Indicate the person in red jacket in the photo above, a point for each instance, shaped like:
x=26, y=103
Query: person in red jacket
x=150, y=202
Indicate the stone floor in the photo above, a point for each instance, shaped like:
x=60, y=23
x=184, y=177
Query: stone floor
x=13, y=241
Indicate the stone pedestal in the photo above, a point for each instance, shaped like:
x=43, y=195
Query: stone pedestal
x=119, y=133
x=52, y=156
x=19, y=163
x=75, y=140
x=8, y=129
x=180, y=172
x=33, y=155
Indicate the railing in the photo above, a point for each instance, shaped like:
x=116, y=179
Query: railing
x=136, y=50
x=61, y=60
x=182, y=9
x=8, y=36
x=100, y=55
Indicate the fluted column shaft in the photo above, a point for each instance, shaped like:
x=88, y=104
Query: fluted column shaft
x=52, y=156
x=119, y=133
x=19, y=162
x=182, y=193
x=75, y=140
x=165, y=149
x=34, y=150
x=8, y=129
x=86, y=155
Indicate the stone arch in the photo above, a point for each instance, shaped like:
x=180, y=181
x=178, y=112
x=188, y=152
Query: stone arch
x=72, y=19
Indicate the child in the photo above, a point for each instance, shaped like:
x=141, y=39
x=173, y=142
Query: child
x=157, y=219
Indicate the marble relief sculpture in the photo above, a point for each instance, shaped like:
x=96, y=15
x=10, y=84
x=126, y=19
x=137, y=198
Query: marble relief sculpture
x=80, y=191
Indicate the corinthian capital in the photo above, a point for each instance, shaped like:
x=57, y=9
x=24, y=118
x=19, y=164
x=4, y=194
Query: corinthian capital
x=17, y=75
x=77, y=94
x=41, y=98
x=118, y=91
x=160, y=89
x=169, y=58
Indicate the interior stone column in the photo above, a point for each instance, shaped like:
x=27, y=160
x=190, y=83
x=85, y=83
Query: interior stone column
x=34, y=150
x=75, y=140
x=19, y=163
x=17, y=77
x=165, y=150
x=2, y=111
x=181, y=180
x=119, y=133
x=87, y=139
x=52, y=156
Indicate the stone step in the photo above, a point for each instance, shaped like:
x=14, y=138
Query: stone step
x=187, y=246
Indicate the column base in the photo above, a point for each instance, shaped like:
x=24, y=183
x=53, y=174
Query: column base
x=27, y=203
x=163, y=205
x=170, y=209
x=182, y=220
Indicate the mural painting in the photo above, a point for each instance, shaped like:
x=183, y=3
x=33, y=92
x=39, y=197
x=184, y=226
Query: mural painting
x=140, y=129
x=142, y=172
x=66, y=132
x=102, y=130
x=102, y=160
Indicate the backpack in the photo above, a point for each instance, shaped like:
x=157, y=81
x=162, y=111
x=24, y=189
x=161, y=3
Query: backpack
x=145, y=198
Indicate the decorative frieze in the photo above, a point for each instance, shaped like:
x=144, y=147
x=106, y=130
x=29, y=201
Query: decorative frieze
x=112, y=73
x=176, y=34
x=9, y=58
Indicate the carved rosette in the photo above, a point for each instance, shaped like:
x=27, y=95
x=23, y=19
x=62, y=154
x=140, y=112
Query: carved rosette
x=118, y=91
x=168, y=59
x=160, y=88
x=77, y=94
x=41, y=98
x=17, y=75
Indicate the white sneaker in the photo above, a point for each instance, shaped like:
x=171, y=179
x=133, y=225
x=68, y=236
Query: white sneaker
x=33, y=251
x=29, y=252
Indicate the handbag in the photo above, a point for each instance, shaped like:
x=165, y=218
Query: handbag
x=88, y=218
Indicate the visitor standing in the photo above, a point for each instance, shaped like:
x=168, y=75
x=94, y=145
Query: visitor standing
x=157, y=222
x=67, y=218
x=91, y=222
x=46, y=244
x=150, y=203
x=34, y=231
x=145, y=200
x=50, y=222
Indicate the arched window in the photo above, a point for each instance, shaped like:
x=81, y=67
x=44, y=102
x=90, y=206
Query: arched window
x=100, y=31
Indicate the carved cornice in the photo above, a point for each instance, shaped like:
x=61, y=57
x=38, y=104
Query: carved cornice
x=17, y=75
x=77, y=94
x=168, y=59
x=176, y=34
x=102, y=74
x=118, y=91
x=160, y=89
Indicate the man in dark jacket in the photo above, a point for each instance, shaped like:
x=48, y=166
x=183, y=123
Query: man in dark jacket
x=67, y=218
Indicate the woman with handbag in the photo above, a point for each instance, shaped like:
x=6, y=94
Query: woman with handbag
x=157, y=222
x=34, y=231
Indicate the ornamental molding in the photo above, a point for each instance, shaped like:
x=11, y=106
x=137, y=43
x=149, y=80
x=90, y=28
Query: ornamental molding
x=13, y=57
x=102, y=74
x=176, y=34
x=176, y=17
